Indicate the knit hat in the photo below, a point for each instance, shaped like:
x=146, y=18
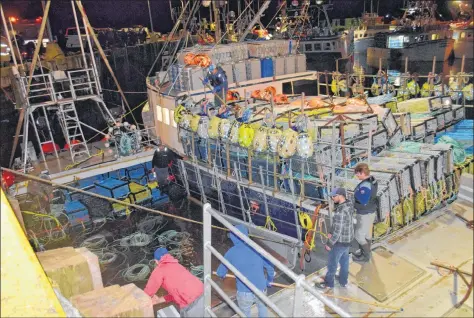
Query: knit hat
x=160, y=252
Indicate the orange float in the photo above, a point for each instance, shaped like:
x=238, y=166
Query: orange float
x=202, y=60
x=189, y=59
x=232, y=95
x=281, y=99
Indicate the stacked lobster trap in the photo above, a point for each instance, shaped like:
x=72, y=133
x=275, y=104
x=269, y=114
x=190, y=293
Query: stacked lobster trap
x=301, y=163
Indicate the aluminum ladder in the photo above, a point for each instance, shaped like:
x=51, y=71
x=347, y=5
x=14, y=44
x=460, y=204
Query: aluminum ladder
x=72, y=130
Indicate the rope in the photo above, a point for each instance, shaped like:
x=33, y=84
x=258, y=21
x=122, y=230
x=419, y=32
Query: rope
x=130, y=205
x=73, y=165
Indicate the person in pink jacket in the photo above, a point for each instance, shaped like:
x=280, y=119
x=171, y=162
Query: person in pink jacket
x=184, y=289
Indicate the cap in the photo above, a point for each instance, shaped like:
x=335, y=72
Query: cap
x=212, y=67
x=160, y=252
x=338, y=191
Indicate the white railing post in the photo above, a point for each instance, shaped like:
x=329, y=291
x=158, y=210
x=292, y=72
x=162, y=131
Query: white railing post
x=207, y=223
x=299, y=296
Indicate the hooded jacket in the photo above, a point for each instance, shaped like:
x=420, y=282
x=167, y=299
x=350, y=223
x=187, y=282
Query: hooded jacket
x=183, y=287
x=248, y=262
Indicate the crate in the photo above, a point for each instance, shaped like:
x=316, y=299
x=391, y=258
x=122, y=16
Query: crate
x=279, y=65
x=74, y=271
x=300, y=63
x=440, y=123
x=229, y=72
x=266, y=67
x=112, y=188
x=240, y=72
x=290, y=64
x=158, y=197
x=76, y=212
x=140, y=194
x=253, y=69
x=137, y=173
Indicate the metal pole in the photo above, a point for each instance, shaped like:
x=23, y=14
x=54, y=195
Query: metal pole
x=79, y=34
x=16, y=42
x=92, y=57
x=5, y=29
x=149, y=12
x=207, y=261
x=48, y=25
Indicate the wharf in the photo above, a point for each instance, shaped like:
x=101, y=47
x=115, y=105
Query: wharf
x=400, y=273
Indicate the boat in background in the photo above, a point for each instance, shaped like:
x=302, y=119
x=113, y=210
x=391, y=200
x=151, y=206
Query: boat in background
x=418, y=37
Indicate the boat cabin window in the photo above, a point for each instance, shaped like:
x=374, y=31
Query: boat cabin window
x=159, y=113
x=434, y=37
x=356, y=36
x=463, y=35
x=173, y=123
x=317, y=46
x=308, y=47
x=166, y=116
x=395, y=42
x=327, y=47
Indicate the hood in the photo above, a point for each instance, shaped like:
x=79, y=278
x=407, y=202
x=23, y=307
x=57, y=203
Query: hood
x=166, y=259
x=242, y=228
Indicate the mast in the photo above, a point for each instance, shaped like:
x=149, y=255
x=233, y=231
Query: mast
x=48, y=25
x=149, y=12
x=255, y=19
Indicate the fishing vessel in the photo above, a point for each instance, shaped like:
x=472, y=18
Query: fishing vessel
x=418, y=32
x=269, y=164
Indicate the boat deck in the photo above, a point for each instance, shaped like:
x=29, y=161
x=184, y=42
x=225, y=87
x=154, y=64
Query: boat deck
x=64, y=170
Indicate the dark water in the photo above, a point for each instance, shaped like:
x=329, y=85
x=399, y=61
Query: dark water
x=189, y=247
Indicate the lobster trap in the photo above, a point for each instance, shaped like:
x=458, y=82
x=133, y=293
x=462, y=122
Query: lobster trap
x=458, y=113
x=396, y=138
x=404, y=121
x=426, y=163
x=412, y=165
x=379, y=139
x=389, y=122
x=429, y=139
x=418, y=130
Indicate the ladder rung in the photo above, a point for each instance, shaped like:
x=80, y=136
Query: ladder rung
x=75, y=135
x=46, y=142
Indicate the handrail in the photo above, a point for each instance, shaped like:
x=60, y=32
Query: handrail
x=300, y=286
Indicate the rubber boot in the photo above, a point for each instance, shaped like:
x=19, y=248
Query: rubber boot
x=355, y=248
x=365, y=256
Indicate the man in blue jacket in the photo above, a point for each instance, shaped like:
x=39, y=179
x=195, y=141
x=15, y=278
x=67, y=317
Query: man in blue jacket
x=366, y=204
x=217, y=77
x=251, y=265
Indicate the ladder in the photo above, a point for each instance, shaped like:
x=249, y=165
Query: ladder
x=72, y=130
x=47, y=136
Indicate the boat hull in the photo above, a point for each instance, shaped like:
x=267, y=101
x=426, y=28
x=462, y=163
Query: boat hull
x=419, y=52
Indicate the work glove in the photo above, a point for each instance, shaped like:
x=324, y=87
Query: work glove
x=269, y=283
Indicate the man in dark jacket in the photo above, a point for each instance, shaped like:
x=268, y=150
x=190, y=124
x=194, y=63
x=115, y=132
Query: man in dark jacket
x=218, y=79
x=162, y=166
x=366, y=202
x=252, y=265
x=340, y=238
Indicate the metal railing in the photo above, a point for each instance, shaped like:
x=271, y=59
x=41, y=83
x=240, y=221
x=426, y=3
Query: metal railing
x=300, y=283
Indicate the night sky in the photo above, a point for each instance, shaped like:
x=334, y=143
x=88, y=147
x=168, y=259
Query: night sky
x=125, y=13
